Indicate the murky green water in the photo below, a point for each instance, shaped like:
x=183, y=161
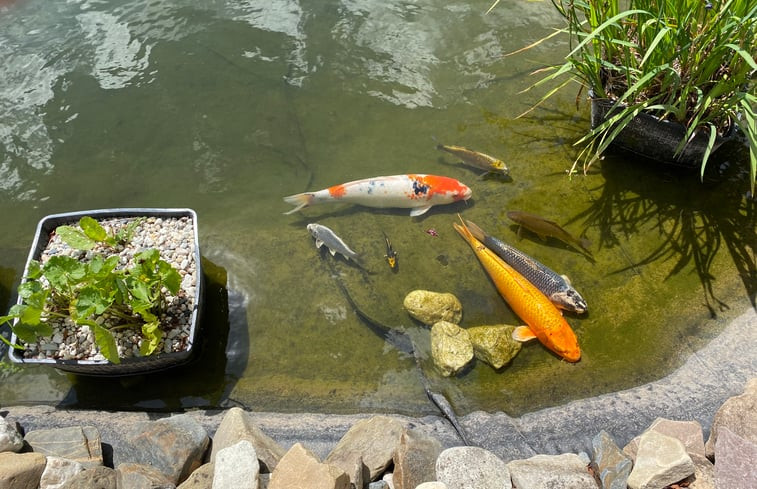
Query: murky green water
x=227, y=106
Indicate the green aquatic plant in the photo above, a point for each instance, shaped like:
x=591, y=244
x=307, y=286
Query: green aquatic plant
x=689, y=61
x=94, y=293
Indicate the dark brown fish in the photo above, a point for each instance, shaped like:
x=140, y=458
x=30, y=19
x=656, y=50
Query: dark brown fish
x=545, y=228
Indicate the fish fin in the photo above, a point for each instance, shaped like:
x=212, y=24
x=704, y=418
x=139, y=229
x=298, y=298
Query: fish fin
x=542, y=237
x=585, y=244
x=299, y=200
x=475, y=230
x=419, y=211
x=318, y=243
x=523, y=334
x=566, y=278
x=333, y=252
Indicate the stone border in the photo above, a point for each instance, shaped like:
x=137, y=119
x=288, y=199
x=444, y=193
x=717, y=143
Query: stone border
x=693, y=392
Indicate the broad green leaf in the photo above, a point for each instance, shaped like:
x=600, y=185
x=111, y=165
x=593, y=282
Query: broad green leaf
x=30, y=333
x=34, y=270
x=151, y=336
x=75, y=238
x=93, y=229
x=91, y=300
x=29, y=315
x=169, y=276
x=140, y=290
x=37, y=299
x=104, y=339
x=63, y=271
x=26, y=289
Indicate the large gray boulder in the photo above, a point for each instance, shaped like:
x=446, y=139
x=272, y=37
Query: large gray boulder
x=175, y=446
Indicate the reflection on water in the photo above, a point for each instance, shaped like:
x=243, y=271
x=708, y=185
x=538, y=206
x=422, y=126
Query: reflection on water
x=229, y=105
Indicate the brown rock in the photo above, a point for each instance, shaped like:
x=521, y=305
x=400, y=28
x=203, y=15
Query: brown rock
x=739, y=415
x=21, y=470
x=201, y=478
x=687, y=432
x=735, y=461
x=137, y=476
x=94, y=478
x=374, y=440
x=415, y=459
x=238, y=425
x=80, y=444
x=300, y=469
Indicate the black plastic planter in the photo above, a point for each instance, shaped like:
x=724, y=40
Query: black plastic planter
x=653, y=138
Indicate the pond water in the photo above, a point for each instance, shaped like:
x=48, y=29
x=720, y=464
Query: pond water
x=227, y=106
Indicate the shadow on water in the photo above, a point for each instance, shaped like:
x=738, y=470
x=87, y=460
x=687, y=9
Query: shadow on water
x=695, y=219
x=205, y=381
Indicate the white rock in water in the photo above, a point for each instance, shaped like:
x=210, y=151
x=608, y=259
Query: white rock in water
x=431, y=307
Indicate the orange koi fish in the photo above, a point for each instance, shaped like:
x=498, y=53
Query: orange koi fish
x=544, y=320
x=416, y=192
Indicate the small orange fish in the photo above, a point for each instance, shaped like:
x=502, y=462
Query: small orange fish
x=544, y=320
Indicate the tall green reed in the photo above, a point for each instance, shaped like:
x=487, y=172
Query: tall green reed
x=689, y=61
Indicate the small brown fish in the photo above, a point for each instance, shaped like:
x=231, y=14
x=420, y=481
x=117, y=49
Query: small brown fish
x=545, y=228
x=474, y=158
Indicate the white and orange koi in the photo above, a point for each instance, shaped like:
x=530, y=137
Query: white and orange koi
x=415, y=191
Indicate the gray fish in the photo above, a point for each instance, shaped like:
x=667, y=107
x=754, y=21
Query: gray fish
x=556, y=287
x=325, y=236
x=442, y=403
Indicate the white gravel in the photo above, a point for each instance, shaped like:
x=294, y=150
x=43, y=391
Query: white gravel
x=174, y=237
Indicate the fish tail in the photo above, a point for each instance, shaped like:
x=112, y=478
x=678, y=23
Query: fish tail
x=299, y=200
x=475, y=230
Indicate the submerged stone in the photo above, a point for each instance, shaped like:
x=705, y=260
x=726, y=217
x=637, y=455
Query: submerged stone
x=451, y=347
x=430, y=307
x=494, y=344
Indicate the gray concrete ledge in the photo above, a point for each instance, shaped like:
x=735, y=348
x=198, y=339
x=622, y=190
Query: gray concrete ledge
x=693, y=392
